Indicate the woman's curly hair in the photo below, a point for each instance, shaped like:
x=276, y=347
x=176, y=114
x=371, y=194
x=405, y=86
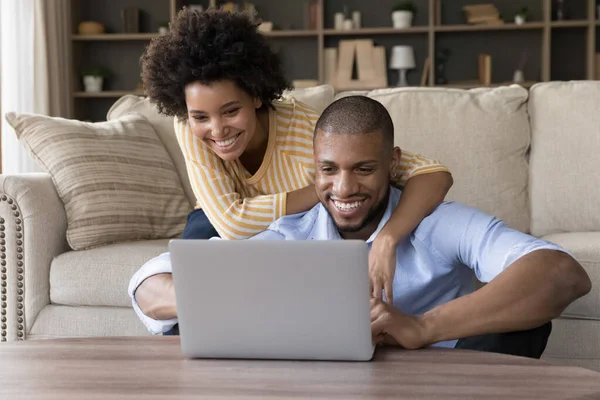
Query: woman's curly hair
x=210, y=46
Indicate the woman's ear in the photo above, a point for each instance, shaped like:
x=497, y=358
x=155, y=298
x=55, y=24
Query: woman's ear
x=257, y=103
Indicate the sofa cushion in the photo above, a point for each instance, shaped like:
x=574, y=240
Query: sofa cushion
x=318, y=97
x=574, y=342
x=565, y=125
x=481, y=135
x=585, y=247
x=99, y=277
x=115, y=178
x=164, y=128
x=56, y=321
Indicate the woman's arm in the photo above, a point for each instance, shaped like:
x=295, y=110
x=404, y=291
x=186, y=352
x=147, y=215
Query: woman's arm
x=426, y=183
x=301, y=200
x=421, y=195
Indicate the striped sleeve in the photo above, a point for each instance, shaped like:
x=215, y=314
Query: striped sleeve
x=413, y=164
x=232, y=216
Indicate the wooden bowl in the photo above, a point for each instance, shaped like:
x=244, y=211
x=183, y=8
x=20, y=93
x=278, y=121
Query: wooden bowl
x=90, y=28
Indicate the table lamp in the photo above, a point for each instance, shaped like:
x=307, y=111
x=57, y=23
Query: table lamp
x=403, y=59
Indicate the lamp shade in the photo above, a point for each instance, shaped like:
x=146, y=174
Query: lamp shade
x=403, y=57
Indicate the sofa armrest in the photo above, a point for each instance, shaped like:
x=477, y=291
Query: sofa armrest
x=33, y=227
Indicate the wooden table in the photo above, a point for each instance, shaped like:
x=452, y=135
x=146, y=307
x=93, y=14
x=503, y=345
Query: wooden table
x=153, y=368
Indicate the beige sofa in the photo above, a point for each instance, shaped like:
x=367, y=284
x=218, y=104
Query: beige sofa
x=529, y=157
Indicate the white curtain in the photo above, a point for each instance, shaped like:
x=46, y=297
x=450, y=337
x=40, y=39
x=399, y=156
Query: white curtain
x=33, y=43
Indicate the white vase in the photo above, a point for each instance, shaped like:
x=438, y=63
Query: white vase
x=519, y=19
x=518, y=76
x=402, y=19
x=92, y=83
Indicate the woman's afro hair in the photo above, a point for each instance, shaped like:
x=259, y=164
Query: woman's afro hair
x=205, y=47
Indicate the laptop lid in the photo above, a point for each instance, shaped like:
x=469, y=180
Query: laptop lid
x=273, y=299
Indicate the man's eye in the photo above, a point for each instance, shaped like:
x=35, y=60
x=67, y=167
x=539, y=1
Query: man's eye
x=326, y=169
x=365, y=170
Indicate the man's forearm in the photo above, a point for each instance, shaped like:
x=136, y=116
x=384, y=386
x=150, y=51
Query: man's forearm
x=156, y=297
x=515, y=300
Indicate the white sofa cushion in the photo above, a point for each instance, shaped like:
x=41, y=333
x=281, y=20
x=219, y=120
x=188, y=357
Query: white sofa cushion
x=99, y=277
x=565, y=123
x=481, y=135
x=318, y=97
x=585, y=247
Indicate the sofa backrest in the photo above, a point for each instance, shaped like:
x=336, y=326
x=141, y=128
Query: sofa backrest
x=565, y=123
x=481, y=135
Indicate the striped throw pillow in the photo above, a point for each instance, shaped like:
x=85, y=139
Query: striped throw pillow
x=115, y=178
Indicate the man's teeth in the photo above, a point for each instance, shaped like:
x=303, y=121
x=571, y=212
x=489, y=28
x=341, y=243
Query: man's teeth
x=225, y=143
x=347, y=206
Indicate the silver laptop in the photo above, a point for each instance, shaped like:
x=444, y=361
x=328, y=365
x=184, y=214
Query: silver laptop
x=295, y=300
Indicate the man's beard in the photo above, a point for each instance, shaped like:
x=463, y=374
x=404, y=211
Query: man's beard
x=374, y=213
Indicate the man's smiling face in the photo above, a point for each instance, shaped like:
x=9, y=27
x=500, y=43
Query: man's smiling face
x=353, y=179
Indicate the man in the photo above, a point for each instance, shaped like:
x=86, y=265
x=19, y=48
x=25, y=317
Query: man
x=530, y=281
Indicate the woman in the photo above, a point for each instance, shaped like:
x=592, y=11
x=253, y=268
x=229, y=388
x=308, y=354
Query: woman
x=248, y=152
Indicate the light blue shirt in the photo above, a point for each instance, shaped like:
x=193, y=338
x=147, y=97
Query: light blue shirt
x=434, y=265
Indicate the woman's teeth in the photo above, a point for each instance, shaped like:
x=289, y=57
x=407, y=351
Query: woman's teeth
x=347, y=206
x=228, y=142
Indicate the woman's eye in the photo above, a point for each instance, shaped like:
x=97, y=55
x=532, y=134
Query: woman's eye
x=200, y=119
x=233, y=111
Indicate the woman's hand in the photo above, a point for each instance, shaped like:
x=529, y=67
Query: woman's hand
x=382, y=267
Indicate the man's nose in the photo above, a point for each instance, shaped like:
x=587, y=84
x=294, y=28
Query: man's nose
x=345, y=184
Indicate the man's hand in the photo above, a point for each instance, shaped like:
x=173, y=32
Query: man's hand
x=382, y=267
x=391, y=326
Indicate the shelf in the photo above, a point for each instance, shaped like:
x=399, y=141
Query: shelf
x=116, y=36
x=499, y=27
x=570, y=24
x=291, y=33
x=107, y=94
x=475, y=84
x=376, y=31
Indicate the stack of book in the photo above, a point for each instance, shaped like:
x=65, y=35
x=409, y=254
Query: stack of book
x=478, y=14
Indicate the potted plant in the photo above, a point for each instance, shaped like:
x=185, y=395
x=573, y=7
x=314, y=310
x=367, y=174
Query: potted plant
x=522, y=15
x=403, y=13
x=93, y=78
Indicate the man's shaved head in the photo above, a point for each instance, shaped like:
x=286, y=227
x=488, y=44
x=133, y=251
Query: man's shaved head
x=357, y=115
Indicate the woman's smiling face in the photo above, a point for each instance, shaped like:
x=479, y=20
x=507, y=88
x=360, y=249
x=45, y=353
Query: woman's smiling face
x=223, y=116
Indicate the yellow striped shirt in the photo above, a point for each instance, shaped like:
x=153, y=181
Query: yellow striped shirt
x=240, y=205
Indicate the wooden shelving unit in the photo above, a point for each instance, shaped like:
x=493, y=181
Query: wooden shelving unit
x=115, y=36
x=557, y=50
x=483, y=28
x=107, y=94
x=376, y=31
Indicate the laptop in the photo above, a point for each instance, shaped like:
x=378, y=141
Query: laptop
x=263, y=299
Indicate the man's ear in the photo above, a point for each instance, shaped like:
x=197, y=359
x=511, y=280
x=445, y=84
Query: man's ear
x=395, y=162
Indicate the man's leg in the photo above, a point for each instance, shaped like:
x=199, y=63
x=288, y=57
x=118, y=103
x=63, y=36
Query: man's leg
x=530, y=343
x=197, y=227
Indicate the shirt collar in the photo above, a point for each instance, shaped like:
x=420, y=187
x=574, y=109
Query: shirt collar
x=324, y=228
